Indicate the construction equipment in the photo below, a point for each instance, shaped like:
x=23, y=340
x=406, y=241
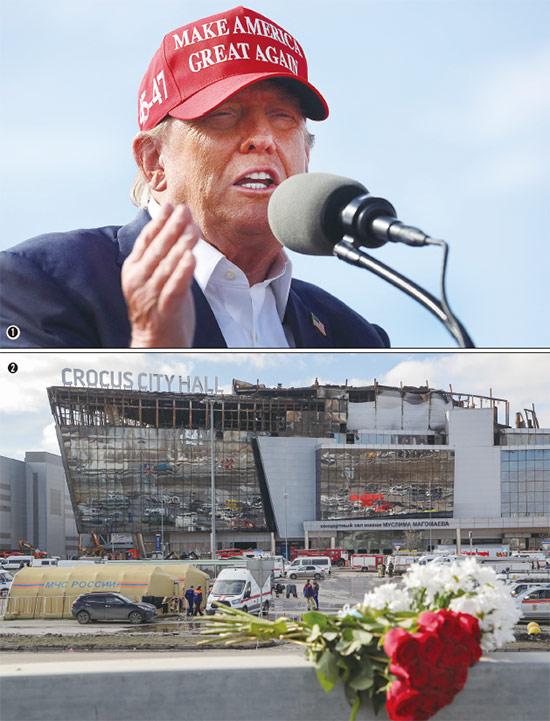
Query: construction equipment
x=98, y=549
x=28, y=548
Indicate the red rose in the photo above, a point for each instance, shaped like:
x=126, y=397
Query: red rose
x=431, y=664
x=471, y=624
x=430, y=621
x=455, y=653
x=401, y=646
x=430, y=646
x=443, y=681
x=417, y=675
x=433, y=700
x=404, y=703
x=461, y=674
x=473, y=635
x=451, y=626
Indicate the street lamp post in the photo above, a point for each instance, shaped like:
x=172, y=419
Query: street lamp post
x=210, y=402
x=141, y=443
x=286, y=524
x=161, y=525
x=430, y=510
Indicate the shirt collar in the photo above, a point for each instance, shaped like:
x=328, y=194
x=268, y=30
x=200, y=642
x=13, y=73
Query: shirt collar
x=212, y=267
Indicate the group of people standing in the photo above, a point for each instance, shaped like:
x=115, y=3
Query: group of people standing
x=311, y=594
x=193, y=596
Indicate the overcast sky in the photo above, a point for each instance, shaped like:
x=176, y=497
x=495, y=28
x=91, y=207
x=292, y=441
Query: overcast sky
x=26, y=422
x=441, y=106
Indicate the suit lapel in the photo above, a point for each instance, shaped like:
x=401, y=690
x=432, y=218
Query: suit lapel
x=127, y=235
x=207, y=330
x=307, y=329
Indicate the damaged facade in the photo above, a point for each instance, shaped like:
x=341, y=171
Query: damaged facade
x=284, y=459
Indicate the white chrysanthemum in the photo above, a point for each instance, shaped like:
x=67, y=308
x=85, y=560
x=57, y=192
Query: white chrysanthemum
x=496, y=611
x=453, y=579
x=388, y=597
x=428, y=579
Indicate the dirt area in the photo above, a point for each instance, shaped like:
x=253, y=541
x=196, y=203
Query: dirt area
x=178, y=638
x=106, y=642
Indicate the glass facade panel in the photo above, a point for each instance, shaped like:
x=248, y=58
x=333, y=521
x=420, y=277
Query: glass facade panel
x=525, y=481
x=401, y=439
x=139, y=479
x=141, y=461
x=373, y=483
x=524, y=437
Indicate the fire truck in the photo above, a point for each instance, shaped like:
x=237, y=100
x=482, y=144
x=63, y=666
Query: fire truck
x=338, y=556
x=367, y=561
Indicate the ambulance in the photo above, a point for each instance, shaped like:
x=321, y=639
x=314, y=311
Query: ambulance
x=237, y=588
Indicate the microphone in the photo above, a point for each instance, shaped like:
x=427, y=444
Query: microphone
x=312, y=212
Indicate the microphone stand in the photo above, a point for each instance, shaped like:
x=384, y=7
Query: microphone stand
x=346, y=250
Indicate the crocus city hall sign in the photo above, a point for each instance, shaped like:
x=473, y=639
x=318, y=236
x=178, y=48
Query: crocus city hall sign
x=128, y=381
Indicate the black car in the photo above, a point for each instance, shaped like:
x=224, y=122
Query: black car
x=111, y=607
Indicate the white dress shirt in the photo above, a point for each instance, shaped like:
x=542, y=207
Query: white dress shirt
x=248, y=317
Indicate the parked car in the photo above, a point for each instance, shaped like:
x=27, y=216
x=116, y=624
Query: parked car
x=315, y=572
x=523, y=586
x=111, y=607
x=535, y=604
x=323, y=562
x=6, y=579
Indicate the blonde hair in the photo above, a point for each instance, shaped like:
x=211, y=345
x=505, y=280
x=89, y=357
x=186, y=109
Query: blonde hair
x=140, y=192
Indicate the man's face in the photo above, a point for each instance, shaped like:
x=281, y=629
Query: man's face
x=226, y=165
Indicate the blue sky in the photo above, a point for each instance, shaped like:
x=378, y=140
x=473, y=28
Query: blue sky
x=438, y=105
x=26, y=423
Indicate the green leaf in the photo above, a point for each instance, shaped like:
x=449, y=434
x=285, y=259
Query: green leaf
x=353, y=640
x=365, y=637
x=345, y=641
x=280, y=627
x=315, y=634
x=351, y=694
x=346, y=671
x=364, y=678
x=327, y=670
x=314, y=618
x=378, y=701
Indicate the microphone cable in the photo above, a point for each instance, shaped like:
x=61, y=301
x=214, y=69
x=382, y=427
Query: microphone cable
x=347, y=251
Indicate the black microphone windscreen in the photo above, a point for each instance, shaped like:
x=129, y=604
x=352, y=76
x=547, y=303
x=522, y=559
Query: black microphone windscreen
x=304, y=211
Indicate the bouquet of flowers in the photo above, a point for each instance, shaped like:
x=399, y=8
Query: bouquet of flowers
x=409, y=645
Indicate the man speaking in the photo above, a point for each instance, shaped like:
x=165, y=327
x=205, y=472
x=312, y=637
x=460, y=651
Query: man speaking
x=222, y=113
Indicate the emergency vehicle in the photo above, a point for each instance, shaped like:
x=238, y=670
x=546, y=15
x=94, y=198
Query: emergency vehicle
x=338, y=556
x=366, y=561
x=237, y=588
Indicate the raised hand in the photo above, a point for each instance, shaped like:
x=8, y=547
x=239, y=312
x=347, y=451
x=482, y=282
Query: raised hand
x=157, y=278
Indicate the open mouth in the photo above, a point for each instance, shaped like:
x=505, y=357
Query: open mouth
x=257, y=181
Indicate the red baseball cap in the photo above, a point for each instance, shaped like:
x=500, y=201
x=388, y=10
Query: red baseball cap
x=201, y=65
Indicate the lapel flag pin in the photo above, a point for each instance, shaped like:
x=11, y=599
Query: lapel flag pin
x=317, y=323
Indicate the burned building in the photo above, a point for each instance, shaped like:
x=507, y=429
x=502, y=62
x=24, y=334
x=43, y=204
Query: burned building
x=322, y=462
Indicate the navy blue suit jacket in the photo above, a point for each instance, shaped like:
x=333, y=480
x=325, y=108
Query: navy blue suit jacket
x=63, y=291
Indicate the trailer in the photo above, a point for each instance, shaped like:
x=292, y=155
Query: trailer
x=366, y=561
x=510, y=564
x=338, y=556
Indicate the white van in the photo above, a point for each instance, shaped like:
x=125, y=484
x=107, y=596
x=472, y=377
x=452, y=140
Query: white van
x=44, y=562
x=13, y=563
x=237, y=588
x=323, y=562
